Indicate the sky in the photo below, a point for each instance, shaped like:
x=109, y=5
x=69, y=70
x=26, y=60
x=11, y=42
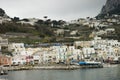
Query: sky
x=54, y=9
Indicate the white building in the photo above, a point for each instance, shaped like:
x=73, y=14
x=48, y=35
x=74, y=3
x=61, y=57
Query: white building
x=88, y=52
x=49, y=57
x=73, y=32
x=18, y=60
x=16, y=48
x=59, y=31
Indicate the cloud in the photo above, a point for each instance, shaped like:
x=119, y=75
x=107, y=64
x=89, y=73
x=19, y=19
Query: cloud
x=55, y=9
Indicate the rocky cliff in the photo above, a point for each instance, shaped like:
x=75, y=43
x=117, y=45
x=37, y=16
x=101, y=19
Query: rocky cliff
x=2, y=13
x=111, y=7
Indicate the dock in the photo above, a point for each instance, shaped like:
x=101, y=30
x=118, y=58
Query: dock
x=70, y=67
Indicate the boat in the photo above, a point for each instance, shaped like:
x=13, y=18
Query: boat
x=89, y=63
x=109, y=65
x=3, y=72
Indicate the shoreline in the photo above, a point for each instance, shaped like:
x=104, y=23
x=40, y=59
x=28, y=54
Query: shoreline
x=70, y=67
x=56, y=67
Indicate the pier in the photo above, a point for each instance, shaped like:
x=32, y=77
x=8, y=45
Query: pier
x=70, y=67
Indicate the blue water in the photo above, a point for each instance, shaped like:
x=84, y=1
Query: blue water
x=111, y=73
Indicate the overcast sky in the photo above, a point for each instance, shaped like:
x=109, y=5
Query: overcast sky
x=54, y=9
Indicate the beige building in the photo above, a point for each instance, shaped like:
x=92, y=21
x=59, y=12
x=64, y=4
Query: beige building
x=3, y=42
x=82, y=44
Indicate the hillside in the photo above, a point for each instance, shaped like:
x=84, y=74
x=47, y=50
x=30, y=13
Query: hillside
x=31, y=30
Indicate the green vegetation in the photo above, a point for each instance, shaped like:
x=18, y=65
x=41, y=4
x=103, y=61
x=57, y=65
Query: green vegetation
x=43, y=31
x=24, y=40
x=14, y=27
x=117, y=29
x=38, y=30
x=113, y=35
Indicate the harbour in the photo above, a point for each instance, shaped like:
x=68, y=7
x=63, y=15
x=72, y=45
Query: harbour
x=111, y=73
x=50, y=67
x=60, y=40
x=107, y=72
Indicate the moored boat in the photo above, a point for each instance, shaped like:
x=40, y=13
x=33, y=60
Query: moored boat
x=89, y=63
x=3, y=72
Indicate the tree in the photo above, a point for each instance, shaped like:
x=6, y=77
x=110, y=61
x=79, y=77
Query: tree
x=61, y=22
x=40, y=21
x=48, y=22
x=26, y=20
x=55, y=23
x=15, y=19
x=45, y=17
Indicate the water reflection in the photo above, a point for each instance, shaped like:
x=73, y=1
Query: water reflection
x=81, y=74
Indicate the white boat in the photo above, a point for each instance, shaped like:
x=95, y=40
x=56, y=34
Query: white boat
x=93, y=62
x=3, y=72
x=109, y=65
